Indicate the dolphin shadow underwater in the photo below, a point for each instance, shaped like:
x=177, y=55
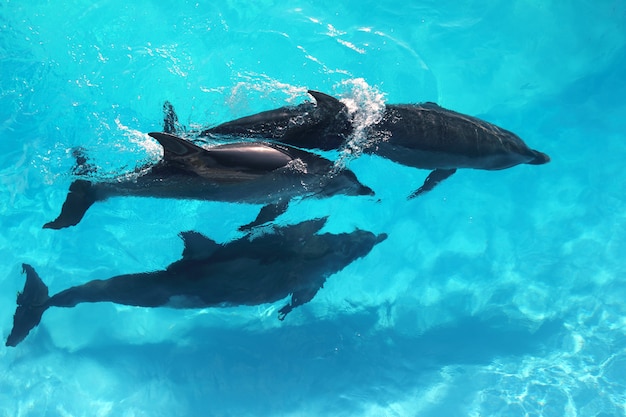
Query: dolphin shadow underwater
x=424, y=136
x=292, y=261
x=254, y=173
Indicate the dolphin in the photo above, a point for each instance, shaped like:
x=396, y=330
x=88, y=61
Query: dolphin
x=254, y=173
x=292, y=261
x=424, y=136
x=327, y=124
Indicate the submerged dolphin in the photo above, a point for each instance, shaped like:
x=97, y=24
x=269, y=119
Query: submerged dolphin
x=292, y=261
x=423, y=136
x=254, y=173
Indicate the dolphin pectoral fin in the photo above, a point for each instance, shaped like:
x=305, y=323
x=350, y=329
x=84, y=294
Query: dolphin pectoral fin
x=198, y=246
x=282, y=313
x=298, y=298
x=432, y=180
x=170, y=119
x=31, y=304
x=267, y=214
x=80, y=197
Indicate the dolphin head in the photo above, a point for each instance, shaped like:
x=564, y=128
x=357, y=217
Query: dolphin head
x=358, y=243
x=343, y=182
x=517, y=148
x=508, y=150
x=342, y=249
x=331, y=252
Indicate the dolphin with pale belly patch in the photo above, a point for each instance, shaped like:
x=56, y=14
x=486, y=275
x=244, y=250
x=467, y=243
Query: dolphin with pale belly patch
x=423, y=136
x=254, y=173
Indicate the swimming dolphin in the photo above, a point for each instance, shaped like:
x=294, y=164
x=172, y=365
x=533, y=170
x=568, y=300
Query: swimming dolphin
x=254, y=173
x=423, y=136
x=327, y=124
x=294, y=260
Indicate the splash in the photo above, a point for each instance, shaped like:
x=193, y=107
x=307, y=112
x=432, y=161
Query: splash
x=297, y=166
x=179, y=62
x=143, y=152
x=366, y=105
x=266, y=86
x=153, y=151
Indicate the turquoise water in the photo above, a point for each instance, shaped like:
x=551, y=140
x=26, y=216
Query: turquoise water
x=496, y=294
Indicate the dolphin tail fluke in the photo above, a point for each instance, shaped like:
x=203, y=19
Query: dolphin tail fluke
x=31, y=304
x=79, y=199
x=540, y=158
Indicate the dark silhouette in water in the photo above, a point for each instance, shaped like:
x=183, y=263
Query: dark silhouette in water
x=423, y=136
x=253, y=173
x=293, y=260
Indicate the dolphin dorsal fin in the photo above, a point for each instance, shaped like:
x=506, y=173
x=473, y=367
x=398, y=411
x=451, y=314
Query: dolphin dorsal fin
x=198, y=246
x=326, y=102
x=174, y=146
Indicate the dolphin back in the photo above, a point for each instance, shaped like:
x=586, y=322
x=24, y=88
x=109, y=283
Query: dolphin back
x=324, y=125
x=249, y=157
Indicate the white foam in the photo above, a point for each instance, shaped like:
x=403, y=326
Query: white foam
x=366, y=106
x=153, y=149
x=266, y=85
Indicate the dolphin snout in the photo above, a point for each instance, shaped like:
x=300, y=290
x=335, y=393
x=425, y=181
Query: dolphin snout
x=365, y=190
x=540, y=158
